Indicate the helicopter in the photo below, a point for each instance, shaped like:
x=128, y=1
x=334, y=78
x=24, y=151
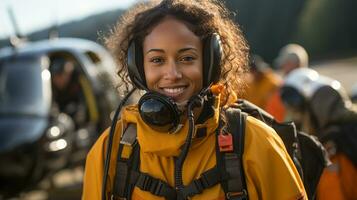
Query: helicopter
x=38, y=137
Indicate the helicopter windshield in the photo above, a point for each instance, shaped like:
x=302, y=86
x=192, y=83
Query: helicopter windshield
x=22, y=90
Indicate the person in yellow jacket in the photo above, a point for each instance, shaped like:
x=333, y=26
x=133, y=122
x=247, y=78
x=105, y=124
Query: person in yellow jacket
x=176, y=50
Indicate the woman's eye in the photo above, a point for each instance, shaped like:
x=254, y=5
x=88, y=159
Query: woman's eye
x=187, y=58
x=156, y=60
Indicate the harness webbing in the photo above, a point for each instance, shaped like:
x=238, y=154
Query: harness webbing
x=207, y=179
x=228, y=171
x=235, y=186
x=160, y=188
x=153, y=185
x=122, y=188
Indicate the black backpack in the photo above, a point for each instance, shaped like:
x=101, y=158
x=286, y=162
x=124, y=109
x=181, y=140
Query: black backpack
x=306, y=152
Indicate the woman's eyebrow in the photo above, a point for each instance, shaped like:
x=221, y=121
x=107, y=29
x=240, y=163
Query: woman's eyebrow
x=187, y=49
x=155, y=50
x=180, y=51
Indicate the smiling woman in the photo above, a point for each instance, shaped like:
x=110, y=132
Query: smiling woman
x=189, y=57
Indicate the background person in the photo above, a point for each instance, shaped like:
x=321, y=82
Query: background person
x=67, y=92
x=72, y=92
x=290, y=57
x=72, y=95
x=262, y=82
x=321, y=106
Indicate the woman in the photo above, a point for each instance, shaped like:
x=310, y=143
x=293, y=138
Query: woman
x=177, y=50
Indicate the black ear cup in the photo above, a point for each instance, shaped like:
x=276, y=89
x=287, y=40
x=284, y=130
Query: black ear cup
x=159, y=111
x=135, y=65
x=212, y=54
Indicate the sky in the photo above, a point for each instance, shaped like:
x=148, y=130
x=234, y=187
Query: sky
x=33, y=15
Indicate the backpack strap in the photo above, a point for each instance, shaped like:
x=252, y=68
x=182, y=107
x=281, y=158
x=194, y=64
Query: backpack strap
x=128, y=159
x=229, y=171
x=153, y=185
x=207, y=179
x=128, y=174
x=231, y=159
x=160, y=188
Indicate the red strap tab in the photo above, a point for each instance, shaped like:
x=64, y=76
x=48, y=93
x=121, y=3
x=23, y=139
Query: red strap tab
x=225, y=142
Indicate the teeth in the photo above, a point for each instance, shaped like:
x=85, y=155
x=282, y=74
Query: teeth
x=173, y=90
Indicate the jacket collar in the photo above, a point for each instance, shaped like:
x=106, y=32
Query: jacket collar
x=164, y=144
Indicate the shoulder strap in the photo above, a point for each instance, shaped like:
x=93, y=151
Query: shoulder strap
x=232, y=161
x=128, y=159
x=127, y=174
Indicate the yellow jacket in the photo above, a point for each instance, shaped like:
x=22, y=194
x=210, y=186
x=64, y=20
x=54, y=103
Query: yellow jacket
x=270, y=173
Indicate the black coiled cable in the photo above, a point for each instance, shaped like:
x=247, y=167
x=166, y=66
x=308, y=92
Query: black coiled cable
x=196, y=101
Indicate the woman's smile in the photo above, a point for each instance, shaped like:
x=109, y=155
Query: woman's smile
x=173, y=91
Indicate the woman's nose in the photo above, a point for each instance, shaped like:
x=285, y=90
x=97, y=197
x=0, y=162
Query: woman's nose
x=172, y=71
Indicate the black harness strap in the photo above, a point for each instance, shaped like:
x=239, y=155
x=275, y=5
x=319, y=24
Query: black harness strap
x=160, y=188
x=235, y=187
x=128, y=175
x=207, y=179
x=228, y=172
x=122, y=188
x=153, y=185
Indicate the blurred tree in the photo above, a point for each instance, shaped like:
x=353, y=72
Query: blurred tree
x=267, y=25
x=328, y=28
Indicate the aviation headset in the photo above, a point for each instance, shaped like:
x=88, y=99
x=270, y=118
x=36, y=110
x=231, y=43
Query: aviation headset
x=159, y=111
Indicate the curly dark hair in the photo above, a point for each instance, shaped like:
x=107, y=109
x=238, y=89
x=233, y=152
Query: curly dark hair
x=202, y=17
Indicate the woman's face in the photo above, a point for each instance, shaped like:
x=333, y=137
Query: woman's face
x=173, y=60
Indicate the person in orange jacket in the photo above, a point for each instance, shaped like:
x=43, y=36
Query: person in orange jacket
x=320, y=105
x=291, y=56
x=262, y=82
x=188, y=56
